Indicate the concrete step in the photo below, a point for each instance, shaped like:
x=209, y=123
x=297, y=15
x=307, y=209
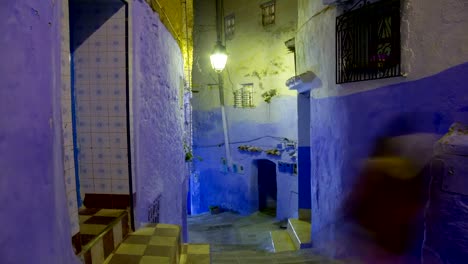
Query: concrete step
x=282, y=241
x=287, y=257
x=299, y=231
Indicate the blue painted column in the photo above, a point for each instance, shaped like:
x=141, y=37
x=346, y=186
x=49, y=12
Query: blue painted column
x=304, y=173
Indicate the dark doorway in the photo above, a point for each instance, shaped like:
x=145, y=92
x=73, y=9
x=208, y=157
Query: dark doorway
x=267, y=189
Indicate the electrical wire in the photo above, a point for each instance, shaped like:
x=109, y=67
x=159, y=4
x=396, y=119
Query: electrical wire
x=280, y=139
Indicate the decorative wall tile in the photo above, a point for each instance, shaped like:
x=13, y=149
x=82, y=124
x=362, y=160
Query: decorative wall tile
x=100, y=124
x=101, y=141
x=68, y=158
x=71, y=202
x=102, y=186
x=85, y=140
x=120, y=186
x=74, y=220
x=67, y=129
x=101, y=155
x=101, y=171
x=85, y=155
x=117, y=108
x=117, y=124
x=86, y=170
x=116, y=43
x=118, y=140
x=67, y=135
x=119, y=171
x=117, y=91
x=119, y=156
x=117, y=59
x=99, y=108
x=116, y=26
x=86, y=185
x=82, y=92
x=70, y=180
x=100, y=86
x=82, y=109
x=66, y=87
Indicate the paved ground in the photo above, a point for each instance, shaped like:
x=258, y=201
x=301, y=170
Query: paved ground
x=236, y=239
x=226, y=230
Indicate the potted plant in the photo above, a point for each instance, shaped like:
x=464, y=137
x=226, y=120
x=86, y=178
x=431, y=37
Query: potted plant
x=214, y=209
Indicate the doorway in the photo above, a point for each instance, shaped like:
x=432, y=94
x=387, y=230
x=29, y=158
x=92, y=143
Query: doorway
x=267, y=186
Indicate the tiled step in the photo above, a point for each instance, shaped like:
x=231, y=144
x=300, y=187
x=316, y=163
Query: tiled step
x=105, y=229
x=158, y=243
x=281, y=241
x=195, y=254
x=299, y=232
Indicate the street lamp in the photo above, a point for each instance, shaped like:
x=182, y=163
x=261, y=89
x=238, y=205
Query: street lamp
x=219, y=57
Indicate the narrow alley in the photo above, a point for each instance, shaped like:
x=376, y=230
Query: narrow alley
x=234, y=131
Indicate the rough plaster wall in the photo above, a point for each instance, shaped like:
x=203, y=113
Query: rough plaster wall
x=259, y=56
x=67, y=126
x=239, y=191
x=32, y=187
x=428, y=31
x=158, y=118
x=343, y=128
x=340, y=138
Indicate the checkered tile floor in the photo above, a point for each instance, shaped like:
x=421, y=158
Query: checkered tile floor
x=158, y=244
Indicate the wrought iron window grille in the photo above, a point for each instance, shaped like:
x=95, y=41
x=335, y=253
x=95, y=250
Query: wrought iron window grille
x=229, y=26
x=368, y=42
x=268, y=13
x=153, y=210
x=243, y=97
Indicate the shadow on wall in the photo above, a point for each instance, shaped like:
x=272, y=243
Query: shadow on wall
x=103, y=10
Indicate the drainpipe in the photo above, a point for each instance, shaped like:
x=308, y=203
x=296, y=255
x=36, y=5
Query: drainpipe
x=219, y=38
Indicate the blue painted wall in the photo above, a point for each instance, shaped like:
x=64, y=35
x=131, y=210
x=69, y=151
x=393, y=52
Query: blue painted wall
x=263, y=126
x=343, y=130
x=35, y=217
x=158, y=119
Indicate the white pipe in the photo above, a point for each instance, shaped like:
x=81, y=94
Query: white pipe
x=226, y=137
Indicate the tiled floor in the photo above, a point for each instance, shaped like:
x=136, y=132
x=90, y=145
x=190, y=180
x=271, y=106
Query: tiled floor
x=94, y=221
x=158, y=244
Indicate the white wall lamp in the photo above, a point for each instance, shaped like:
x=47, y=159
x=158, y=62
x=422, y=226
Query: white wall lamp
x=219, y=57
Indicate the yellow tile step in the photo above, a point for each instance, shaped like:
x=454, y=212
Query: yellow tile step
x=195, y=254
x=299, y=231
x=282, y=241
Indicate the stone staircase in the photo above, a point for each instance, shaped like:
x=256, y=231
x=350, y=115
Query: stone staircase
x=295, y=237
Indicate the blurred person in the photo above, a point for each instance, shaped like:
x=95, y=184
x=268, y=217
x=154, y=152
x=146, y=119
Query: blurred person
x=387, y=202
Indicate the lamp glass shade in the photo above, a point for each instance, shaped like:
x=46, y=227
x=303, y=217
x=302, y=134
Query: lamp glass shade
x=218, y=58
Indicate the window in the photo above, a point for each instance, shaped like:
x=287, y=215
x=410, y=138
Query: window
x=268, y=13
x=243, y=97
x=229, y=26
x=368, y=42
